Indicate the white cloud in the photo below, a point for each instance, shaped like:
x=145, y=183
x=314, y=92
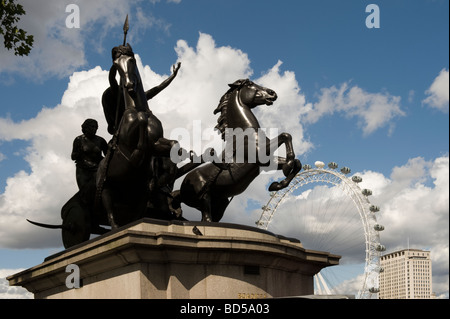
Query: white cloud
x=350, y=286
x=372, y=110
x=287, y=111
x=58, y=50
x=438, y=93
x=8, y=292
x=414, y=204
x=40, y=194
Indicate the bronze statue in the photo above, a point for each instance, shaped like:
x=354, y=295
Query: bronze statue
x=125, y=173
x=122, y=188
x=136, y=177
x=209, y=188
x=113, y=101
x=87, y=152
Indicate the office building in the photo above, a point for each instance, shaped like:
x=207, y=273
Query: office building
x=406, y=274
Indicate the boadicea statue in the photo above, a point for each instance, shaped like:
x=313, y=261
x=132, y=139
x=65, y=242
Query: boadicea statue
x=136, y=177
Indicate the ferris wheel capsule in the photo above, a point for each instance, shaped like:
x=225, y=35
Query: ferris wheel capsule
x=357, y=179
x=380, y=248
x=374, y=208
x=345, y=170
x=306, y=167
x=378, y=227
x=319, y=164
x=374, y=290
x=366, y=192
x=333, y=165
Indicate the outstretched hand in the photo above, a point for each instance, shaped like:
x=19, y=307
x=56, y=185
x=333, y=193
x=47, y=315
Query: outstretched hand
x=176, y=67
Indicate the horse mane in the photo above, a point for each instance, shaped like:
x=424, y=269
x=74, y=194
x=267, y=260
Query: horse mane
x=222, y=121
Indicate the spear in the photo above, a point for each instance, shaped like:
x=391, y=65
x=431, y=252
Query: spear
x=126, y=27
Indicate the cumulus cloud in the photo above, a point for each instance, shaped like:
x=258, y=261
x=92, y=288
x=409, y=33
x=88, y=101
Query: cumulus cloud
x=39, y=194
x=289, y=109
x=414, y=198
x=8, y=292
x=438, y=93
x=414, y=204
x=372, y=110
x=58, y=50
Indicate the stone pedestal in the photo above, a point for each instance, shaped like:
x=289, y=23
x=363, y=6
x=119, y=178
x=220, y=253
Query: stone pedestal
x=152, y=259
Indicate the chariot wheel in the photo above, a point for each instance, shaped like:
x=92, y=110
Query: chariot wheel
x=76, y=227
x=328, y=211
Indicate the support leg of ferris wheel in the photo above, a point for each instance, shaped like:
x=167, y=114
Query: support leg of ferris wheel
x=321, y=284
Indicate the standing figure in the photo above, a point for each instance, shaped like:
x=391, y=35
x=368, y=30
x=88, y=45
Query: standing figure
x=88, y=150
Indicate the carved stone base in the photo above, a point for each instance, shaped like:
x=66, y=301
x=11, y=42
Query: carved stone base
x=153, y=259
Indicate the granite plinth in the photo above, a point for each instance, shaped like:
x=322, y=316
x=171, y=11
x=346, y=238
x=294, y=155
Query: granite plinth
x=152, y=259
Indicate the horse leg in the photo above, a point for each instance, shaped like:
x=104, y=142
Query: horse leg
x=175, y=204
x=219, y=206
x=205, y=207
x=286, y=139
x=296, y=167
x=274, y=144
x=107, y=200
x=137, y=156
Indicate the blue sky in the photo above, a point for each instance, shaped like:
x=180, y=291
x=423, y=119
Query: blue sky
x=375, y=100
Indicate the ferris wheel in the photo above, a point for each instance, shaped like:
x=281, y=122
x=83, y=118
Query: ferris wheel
x=328, y=211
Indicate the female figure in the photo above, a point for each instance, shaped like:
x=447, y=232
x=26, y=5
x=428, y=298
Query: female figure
x=88, y=150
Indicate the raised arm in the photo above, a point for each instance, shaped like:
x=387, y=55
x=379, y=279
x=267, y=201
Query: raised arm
x=154, y=91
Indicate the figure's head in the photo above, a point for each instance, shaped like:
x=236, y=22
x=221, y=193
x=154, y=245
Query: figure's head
x=252, y=94
x=122, y=50
x=89, y=127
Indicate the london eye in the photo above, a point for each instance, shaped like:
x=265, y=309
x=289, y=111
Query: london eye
x=328, y=211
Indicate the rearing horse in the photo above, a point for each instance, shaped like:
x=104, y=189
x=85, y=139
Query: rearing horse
x=124, y=174
x=209, y=187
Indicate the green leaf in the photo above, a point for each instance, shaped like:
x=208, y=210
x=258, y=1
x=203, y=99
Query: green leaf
x=14, y=37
